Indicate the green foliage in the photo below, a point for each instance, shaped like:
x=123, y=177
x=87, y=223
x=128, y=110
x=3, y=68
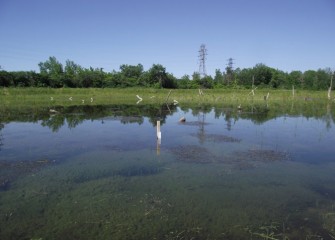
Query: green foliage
x=322, y=80
x=52, y=71
x=206, y=82
x=53, y=74
x=130, y=71
x=218, y=78
x=245, y=76
x=262, y=73
x=309, y=79
x=6, y=79
x=316, y=80
x=196, y=77
x=295, y=78
x=186, y=83
x=72, y=71
x=278, y=78
x=91, y=78
x=158, y=77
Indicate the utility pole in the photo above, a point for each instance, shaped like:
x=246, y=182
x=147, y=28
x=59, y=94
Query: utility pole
x=202, y=60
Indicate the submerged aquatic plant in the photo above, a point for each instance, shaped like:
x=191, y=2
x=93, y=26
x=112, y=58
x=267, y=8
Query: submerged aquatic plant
x=218, y=138
x=139, y=170
x=262, y=155
x=328, y=219
x=11, y=170
x=193, y=154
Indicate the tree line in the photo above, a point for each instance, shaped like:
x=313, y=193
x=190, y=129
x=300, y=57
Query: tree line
x=53, y=74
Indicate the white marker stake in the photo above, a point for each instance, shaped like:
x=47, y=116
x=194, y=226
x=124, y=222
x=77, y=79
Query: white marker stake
x=159, y=134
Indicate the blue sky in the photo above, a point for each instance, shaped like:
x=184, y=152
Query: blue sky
x=283, y=34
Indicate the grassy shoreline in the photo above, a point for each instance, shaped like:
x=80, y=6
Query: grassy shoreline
x=99, y=96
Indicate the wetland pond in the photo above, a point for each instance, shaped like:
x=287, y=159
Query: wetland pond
x=98, y=172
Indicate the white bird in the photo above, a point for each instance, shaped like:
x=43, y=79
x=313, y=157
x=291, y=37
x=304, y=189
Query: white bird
x=82, y=101
x=70, y=98
x=175, y=102
x=91, y=99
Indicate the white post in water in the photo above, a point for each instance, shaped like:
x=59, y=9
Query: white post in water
x=330, y=88
x=159, y=134
x=293, y=91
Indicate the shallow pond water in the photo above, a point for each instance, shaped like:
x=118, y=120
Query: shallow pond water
x=99, y=172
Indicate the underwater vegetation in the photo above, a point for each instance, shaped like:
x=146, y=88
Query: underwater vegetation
x=193, y=154
x=217, y=138
x=11, y=170
x=242, y=159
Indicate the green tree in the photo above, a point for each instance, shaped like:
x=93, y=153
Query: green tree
x=158, y=77
x=92, y=77
x=132, y=71
x=131, y=74
x=322, y=80
x=115, y=79
x=143, y=81
x=262, y=73
x=24, y=78
x=72, y=71
x=206, y=82
x=183, y=82
x=170, y=82
x=186, y=83
x=278, y=78
x=245, y=77
x=6, y=79
x=196, y=77
x=52, y=71
x=309, y=77
x=294, y=78
x=218, y=78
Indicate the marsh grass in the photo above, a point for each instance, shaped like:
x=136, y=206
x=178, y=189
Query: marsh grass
x=97, y=96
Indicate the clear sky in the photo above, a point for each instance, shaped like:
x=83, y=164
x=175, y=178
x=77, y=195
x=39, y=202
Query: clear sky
x=283, y=34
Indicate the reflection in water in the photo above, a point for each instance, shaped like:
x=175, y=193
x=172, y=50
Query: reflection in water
x=1, y=138
x=125, y=114
x=266, y=172
x=75, y=115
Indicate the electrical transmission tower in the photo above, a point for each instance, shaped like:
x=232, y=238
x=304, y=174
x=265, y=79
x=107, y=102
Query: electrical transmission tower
x=230, y=64
x=202, y=60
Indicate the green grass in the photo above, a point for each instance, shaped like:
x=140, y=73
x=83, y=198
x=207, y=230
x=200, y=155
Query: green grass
x=60, y=97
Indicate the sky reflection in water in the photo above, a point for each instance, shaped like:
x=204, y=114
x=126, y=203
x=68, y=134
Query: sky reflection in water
x=221, y=174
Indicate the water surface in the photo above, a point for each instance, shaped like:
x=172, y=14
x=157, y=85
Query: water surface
x=98, y=172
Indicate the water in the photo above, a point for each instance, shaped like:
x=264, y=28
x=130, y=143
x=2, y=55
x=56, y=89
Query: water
x=100, y=173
